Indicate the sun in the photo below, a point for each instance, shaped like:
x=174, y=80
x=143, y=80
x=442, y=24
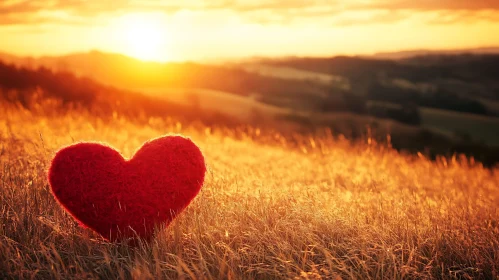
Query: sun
x=143, y=37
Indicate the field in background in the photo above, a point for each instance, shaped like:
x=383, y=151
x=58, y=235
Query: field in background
x=459, y=127
x=246, y=109
x=450, y=101
x=471, y=127
x=492, y=106
x=290, y=73
x=319, y=206
x=453, y=125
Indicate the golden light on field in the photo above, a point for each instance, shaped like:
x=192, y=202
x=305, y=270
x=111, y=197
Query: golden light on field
x=142, y=36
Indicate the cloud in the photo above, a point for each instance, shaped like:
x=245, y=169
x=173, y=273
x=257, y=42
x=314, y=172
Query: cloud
x=11, y=7
x=369, y=17
x=25, y=11
x=15, y=12
x=431, y=5
x=463, y=16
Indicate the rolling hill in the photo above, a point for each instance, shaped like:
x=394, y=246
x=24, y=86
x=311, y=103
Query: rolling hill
x=301, y=93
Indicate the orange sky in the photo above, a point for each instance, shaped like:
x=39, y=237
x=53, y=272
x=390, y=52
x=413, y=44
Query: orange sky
x=193, y=30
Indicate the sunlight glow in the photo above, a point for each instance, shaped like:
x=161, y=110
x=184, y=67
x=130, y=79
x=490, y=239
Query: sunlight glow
x=143, y=36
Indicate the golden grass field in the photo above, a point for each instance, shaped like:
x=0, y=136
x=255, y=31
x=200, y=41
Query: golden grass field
x=319, y=207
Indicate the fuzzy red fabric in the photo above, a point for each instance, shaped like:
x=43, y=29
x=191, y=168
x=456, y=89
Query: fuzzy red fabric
x=121, y=198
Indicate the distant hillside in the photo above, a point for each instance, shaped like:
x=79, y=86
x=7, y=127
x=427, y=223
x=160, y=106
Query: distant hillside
x=46, y=89
x=128, y=73
x=417, y=68
x=467, y=75
x=476, y=74
x=412, y=53
x=56, y=92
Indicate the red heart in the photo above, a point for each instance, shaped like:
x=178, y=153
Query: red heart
x=121, y=198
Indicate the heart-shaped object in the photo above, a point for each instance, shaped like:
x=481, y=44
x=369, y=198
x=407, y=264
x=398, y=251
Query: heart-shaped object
x=121, y=198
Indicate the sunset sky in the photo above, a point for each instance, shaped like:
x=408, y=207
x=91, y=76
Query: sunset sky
x=225, y=29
